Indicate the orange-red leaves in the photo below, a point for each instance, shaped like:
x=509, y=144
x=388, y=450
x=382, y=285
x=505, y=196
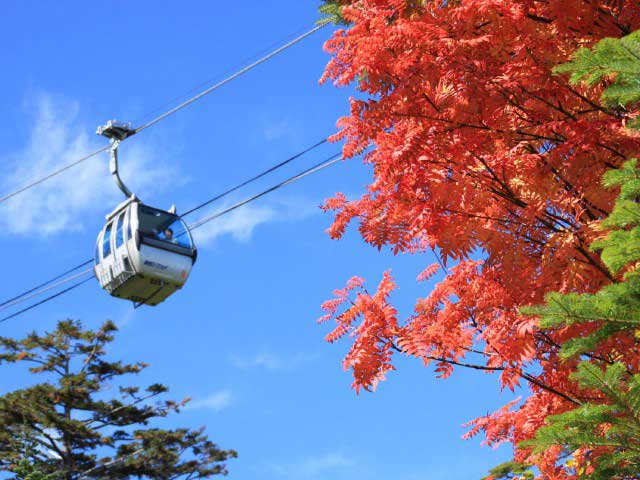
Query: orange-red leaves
x=428, y=272
x=479, y=150
x=370, y=354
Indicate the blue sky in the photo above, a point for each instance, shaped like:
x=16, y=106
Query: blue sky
x=241, y=338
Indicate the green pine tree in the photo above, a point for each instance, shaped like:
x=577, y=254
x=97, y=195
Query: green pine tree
x=510, y=471
x=67, y=426
x=25, y=470
x=331, y=12
x=616, y=307
x=609, y=430
x=613, y=61
x=606, y=428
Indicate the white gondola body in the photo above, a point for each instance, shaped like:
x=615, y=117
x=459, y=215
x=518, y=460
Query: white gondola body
x=132, y=259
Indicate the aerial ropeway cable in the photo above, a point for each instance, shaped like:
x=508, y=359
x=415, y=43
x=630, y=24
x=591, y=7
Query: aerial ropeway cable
x=37, y=182
x=39, y=292
x=38, y=288
x=237, y=74
x=256, y=177
x=46, y=286
x=48, y=299
x=316, y=168
x=166, y=114
x=145, y=254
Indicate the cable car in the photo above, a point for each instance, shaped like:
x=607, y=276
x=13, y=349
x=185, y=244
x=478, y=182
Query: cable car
x=143, y=254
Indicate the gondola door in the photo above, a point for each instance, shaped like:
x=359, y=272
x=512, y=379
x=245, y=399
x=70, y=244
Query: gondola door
x=105, y=267
x=123, y=269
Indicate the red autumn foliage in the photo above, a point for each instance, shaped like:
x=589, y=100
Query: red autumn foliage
x=477, y=147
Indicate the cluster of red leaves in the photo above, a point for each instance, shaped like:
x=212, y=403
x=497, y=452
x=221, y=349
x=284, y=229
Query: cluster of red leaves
x=477, y=146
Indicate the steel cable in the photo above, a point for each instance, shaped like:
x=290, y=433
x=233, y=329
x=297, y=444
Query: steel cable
x=13, y=300
x=10, y=300
x=239, y=73
x=315, y=168
x=52, y=174
x=320, y=166
x=46, y=289
x=170, y=112
x=55, y=295
x=253, y=179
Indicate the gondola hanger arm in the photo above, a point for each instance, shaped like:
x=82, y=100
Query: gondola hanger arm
x=116, y=132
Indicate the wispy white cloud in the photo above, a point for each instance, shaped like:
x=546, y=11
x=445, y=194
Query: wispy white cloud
x=240, y=224
x=57, y=137
x=271, y=362
x=314, y=466
x=217, y=401
x=127, y=317
x=264, y=360
x=281, y=128
x=277, y=130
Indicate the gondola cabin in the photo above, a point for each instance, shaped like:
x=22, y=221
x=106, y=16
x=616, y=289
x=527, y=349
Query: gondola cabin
x=143, y=254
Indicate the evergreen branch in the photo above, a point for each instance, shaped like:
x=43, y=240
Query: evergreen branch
x=115, y=461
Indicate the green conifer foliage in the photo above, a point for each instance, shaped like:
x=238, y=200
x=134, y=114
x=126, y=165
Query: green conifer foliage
x=510, y=471
x=608, y=430
x=603, y=433
x=331, y=12
x=25, y=470
x=68, y=426
x=612, y=60
x=615, y=308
